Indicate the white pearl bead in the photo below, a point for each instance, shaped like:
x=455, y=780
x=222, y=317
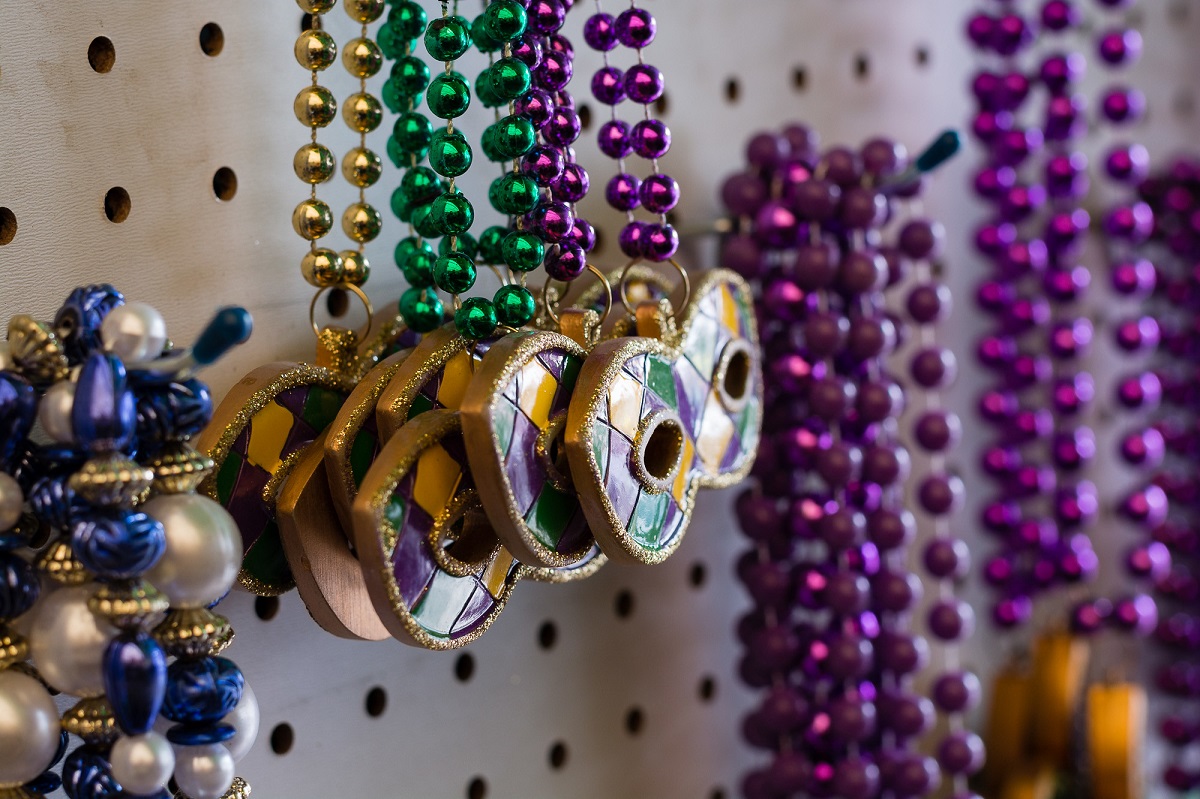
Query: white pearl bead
x=67, y=642
x=134, y=331
x=204, y=549
x=244, y=719
x=6, y=361
x=29, y=728
x=142, y=763
x=204, y=772
x=12, y=501
x=54, y=412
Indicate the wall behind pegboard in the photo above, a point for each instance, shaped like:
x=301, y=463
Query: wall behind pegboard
x=149, y=144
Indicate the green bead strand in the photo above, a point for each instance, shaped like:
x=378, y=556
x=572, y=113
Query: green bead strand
x=508, y=79
x=448, y=96
x=504, y=20
x=522, y=251
x=452, y=213
x=413, y=133
x=514, y=306
x=490, y=245
x=447, y=38
x=463, y=242
x=420, y=184
x=511, y=137
x=407, y=20
x=449, y=153
x=476, y=318
x=422, y=221
x=513, y=194
x=421, y=309
x=454, y=273
x=409, y=76
x=415, y=259
x=484, y=41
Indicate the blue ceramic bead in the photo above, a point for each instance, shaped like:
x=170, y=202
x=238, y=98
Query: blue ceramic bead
x=18, y=408
x=53, y=501
x=117, y=545
x=135, y=679
x=19, y=586
x=104, y=415
x=172, y=412
x=200, y=734
x=87, y=774
x=204, y=690
x=63, y=740
x=78, y=320
x=44, y=783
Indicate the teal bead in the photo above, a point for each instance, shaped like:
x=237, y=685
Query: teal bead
x=484, y=41
x=490, y=245
x=509, y=79
x=421, y=309
x=392, y=98
x=513, y=194
x=413, y=132
x=422, y=221
x=485, y=93
x=407, y=20
x=447, y=38
x=463, y=242
x=391, y=45
x=402, y=206
x=504, y=20
x=418, y=269
x=476, y=318
x=449, y=153
x=420, y=184
x=522, y=251
x=512, y=137
x=514, y=306
x=452, y=213
x=410, y=76
x=448, y=96
x=454, y=272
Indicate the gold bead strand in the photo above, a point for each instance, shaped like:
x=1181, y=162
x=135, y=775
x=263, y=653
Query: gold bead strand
x=361, y=166
x=314, y=163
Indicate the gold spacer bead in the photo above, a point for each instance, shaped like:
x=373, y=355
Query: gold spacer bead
x=14, y=648
x=362, y=112
x=313, y=163
x=312, y=219
x=20, y=792
x=315, y=50
x=316, y=6
x=126, y=605
x=362, y=222
x=240, y=789
x=355, y=267
x=364, y=11
x=179, y=469
x=193, y=632
x=58, y=562
x=362, y=57
x=362, y=167
x=92, y=720
x=322, y=268
x=315, y=106
x=36, y=350
x=111, y=480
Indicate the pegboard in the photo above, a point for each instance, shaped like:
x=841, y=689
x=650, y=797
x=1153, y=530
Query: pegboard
x=150, y=145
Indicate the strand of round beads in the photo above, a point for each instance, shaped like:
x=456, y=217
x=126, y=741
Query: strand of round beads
x=649, y=138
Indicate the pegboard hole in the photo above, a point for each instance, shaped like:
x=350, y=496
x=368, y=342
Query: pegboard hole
x=282, y=738
x=718, y=793
x=862, y=66
x=733, y=90
x=212, y=39
x=634, y=720
x=101, y=54
x=266, y=607
x=585, y=116
x=376, y=702
x=117, y=204
x=464, y=667
x=921, y=56
x=225, y=184
x=547, y=635
x=697, y=575
x=1184, y=104
x=800, y=78
x=1178, y=11
x=708, y=688
x=624, y=604
x=8, y=225
x=662, y=105
x=337, y=303
x=558, y=755
x=599, y=246
x=477, y=788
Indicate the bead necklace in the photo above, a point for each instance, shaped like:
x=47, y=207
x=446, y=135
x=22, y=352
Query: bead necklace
x=115, y=488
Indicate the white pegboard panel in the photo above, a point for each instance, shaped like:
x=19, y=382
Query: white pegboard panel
x=167, y=116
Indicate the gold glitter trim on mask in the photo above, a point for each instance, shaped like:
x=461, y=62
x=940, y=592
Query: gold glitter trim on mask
x=423, y=363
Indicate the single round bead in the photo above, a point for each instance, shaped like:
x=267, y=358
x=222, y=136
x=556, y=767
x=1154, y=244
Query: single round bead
x=364, y=11
x=947, y=558
x=413, y=132
x=322, y=268
x=356, y=269
x=635, y=27
x=361, y=167
x=564, y=127
x=644, y=83
x=661, y=243
x=29, y=728
x=142, y=764
x=476, y=318
x=937, y=431
x=449, y=153
x=572, y=186
x=204, y=549
x=934, y=367
x=421, y=309
x=632, y=239
x=1120, y=47
x=922, y=238
x=512, y=137
x=614, y=139
x=565, y=261
x=313, y=163
x=523, y=252
x=608, y=85
x=599, y=31
x=513, y=194
x=447, y=38
x=362, y=58
x=452, y=213
x=544, y=164
x=961, y=753
x=204, y=772
x=134, y=331
x=68, y=641
x=552, y=220
x=528, y=50
x=622, y=191
x=583, y=234
x=940, y=494
x=409, y=77
x=515, y=305
x=312, y=219
x=555, y=71
x=509, y=79
x=546, y=16
x=362, y=222
x=536, y=107
x=1120, y=105
x=505, y=20
x=315, y=50
x=315, y=106
x=650, y=138
x=951, y=620
x=448, y=96
x=454, y=273
x=957, y=692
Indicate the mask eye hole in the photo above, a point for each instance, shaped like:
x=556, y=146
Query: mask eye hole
x=659, y=451
x=734, y=374
x=463, y=538
x=552, y=454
